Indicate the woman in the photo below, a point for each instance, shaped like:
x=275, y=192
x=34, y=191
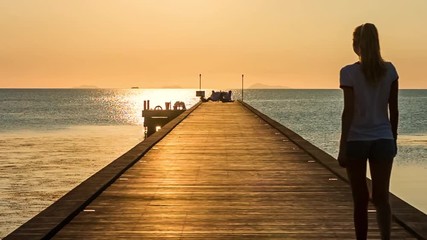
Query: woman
x=368, y=132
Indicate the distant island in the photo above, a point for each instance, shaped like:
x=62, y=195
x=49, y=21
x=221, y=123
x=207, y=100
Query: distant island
x=265, y=86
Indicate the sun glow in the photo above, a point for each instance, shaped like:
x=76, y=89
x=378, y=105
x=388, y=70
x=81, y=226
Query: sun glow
x=131, y=104
x=154, y=44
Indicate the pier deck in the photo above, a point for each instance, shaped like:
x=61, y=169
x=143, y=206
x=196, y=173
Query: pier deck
x=223, y=173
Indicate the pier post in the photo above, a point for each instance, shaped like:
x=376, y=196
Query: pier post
x=242, y=85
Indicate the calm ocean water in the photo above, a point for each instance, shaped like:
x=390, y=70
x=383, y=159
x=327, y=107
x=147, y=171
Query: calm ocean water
x=53, y=139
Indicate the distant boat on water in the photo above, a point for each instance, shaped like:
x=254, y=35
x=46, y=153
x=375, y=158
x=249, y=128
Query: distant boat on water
x=134, y=87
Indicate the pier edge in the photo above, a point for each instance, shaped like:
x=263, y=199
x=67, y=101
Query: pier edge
x=406, y=215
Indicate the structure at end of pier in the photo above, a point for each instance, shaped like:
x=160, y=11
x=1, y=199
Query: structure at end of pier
x=156, y=118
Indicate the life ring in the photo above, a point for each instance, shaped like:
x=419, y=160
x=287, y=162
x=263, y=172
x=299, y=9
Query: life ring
x=158, y=107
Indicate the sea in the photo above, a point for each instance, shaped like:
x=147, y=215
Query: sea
x=53, y=139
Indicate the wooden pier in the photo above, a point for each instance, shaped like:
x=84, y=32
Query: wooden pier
x=218, y=171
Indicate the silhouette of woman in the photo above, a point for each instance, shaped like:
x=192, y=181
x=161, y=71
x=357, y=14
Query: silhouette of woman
x=370, y=89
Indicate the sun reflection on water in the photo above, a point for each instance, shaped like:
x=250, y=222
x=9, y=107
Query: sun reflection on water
x=68, y=136
x=126, y=105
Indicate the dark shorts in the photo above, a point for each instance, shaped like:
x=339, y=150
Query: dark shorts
x=377, y=149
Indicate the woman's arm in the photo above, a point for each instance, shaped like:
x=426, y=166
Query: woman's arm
x=347, y=117
x=393, y=107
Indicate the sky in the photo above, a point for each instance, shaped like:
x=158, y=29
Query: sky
x=168, y=43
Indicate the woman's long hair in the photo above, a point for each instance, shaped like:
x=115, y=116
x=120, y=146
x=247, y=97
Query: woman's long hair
x=367, y=45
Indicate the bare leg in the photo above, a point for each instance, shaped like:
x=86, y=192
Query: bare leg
x=380, y=173
x=356, y=171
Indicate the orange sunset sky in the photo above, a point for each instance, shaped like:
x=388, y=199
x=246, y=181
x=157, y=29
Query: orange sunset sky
x=167, y=43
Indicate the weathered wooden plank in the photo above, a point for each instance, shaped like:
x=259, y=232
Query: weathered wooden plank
x=50, y=220
x=223, y=173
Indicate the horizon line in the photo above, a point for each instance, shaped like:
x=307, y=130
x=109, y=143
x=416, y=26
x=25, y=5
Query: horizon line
x=164, y=88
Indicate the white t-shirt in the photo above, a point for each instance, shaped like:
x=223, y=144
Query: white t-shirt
x=370, y=118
